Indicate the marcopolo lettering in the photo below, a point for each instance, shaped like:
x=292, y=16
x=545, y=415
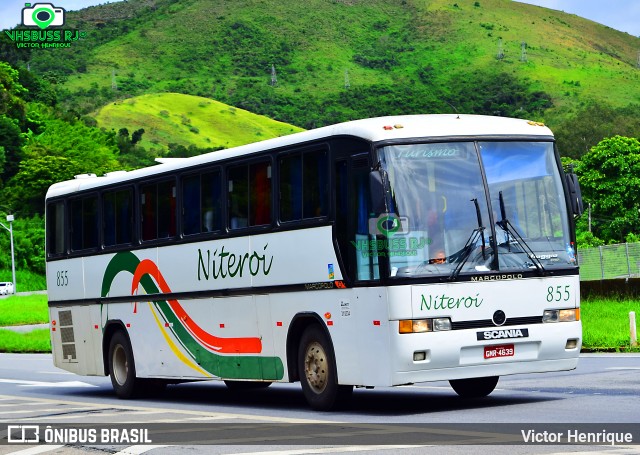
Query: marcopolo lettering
x=510, y=276
x=503, y=333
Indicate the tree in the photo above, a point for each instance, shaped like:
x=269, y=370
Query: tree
x=610, y=181
x=25, y=192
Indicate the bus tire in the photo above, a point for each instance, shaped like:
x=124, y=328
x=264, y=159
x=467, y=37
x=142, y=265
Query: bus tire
x=246, y=385
x=122, y=369
x=318, y=373
x=474, y=387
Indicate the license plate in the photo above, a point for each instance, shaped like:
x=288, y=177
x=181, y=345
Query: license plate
x=504, y=350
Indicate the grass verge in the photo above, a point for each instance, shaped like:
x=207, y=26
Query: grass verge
x=21, y=310
x=30, y=342
x=25, y=280
x=605, y=324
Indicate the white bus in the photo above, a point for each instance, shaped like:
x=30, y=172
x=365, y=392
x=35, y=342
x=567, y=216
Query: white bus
x=376, y=252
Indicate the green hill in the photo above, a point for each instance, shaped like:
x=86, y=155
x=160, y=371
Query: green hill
x=189, y=120
x=344, y=59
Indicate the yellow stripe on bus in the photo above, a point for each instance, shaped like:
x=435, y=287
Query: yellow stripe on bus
x=174, y=348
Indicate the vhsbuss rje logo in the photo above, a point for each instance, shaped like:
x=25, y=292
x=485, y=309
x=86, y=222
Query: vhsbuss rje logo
x=40, y=17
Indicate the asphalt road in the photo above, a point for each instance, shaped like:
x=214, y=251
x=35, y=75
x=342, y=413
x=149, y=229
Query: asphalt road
x=602, y=394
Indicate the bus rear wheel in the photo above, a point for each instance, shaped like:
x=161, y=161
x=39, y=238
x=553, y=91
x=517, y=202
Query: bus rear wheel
x=122, y=369
x=474, y=387
x=318, y=373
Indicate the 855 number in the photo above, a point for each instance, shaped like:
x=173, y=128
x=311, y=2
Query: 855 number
x=62, y=278
x=558, y=293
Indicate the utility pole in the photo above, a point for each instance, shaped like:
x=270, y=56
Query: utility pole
x=274, y=78
x=523, y=51
x=500, y=54
x=114, y=84
x=10, y=220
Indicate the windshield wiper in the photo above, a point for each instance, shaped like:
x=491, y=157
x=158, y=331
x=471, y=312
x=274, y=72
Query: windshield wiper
x=471, y=241
x=510, y=229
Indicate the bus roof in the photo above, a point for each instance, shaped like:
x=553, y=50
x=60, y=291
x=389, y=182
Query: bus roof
x=428, y=126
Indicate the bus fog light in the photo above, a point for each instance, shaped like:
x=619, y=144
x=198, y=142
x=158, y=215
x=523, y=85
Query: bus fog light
x=419, y=356
x=571, y=344
x=440, y=324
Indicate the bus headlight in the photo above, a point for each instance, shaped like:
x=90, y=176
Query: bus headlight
x=568, y=315
x=440, y=324
x=424, y=325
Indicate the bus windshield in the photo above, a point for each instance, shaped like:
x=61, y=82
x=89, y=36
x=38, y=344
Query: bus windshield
x=443, y=220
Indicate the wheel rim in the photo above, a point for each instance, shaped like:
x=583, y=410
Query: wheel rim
x=120, y=365
x=315, y=367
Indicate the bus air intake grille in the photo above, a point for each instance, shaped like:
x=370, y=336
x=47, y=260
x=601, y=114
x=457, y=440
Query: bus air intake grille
x=67, y=337
x=69, y=352
x=527, y=320
x=65, y=318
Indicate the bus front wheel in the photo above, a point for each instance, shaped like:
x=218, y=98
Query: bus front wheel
x=474, y=387
x=317, y=371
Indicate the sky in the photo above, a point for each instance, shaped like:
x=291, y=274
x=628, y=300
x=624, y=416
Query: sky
x=623, y=15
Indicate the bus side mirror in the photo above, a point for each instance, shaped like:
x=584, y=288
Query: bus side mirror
x=377, y=191
x=575, y=196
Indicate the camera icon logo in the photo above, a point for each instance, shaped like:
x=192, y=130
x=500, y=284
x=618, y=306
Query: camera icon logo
x=388, y=224
x=42, y=15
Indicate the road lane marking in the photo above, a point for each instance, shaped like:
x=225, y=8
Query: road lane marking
x=35, y=450
x=220, y=415
x=137, y=450
x=25, y=383
x=334, y=450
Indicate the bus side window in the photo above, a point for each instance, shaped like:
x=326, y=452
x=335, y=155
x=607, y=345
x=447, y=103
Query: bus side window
x=201, y=203
x=249, y=189
x=55, y=228
x=237, y=184
x=260, y=196
x=117, y=215
x=148, y=204
x=316, y=184
x=84, y=223
x=211, y=202
x=191, y=205
x=166, y=209
x=352, y=220
x=367, y=252
x=158, y=206
x=303, y=185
